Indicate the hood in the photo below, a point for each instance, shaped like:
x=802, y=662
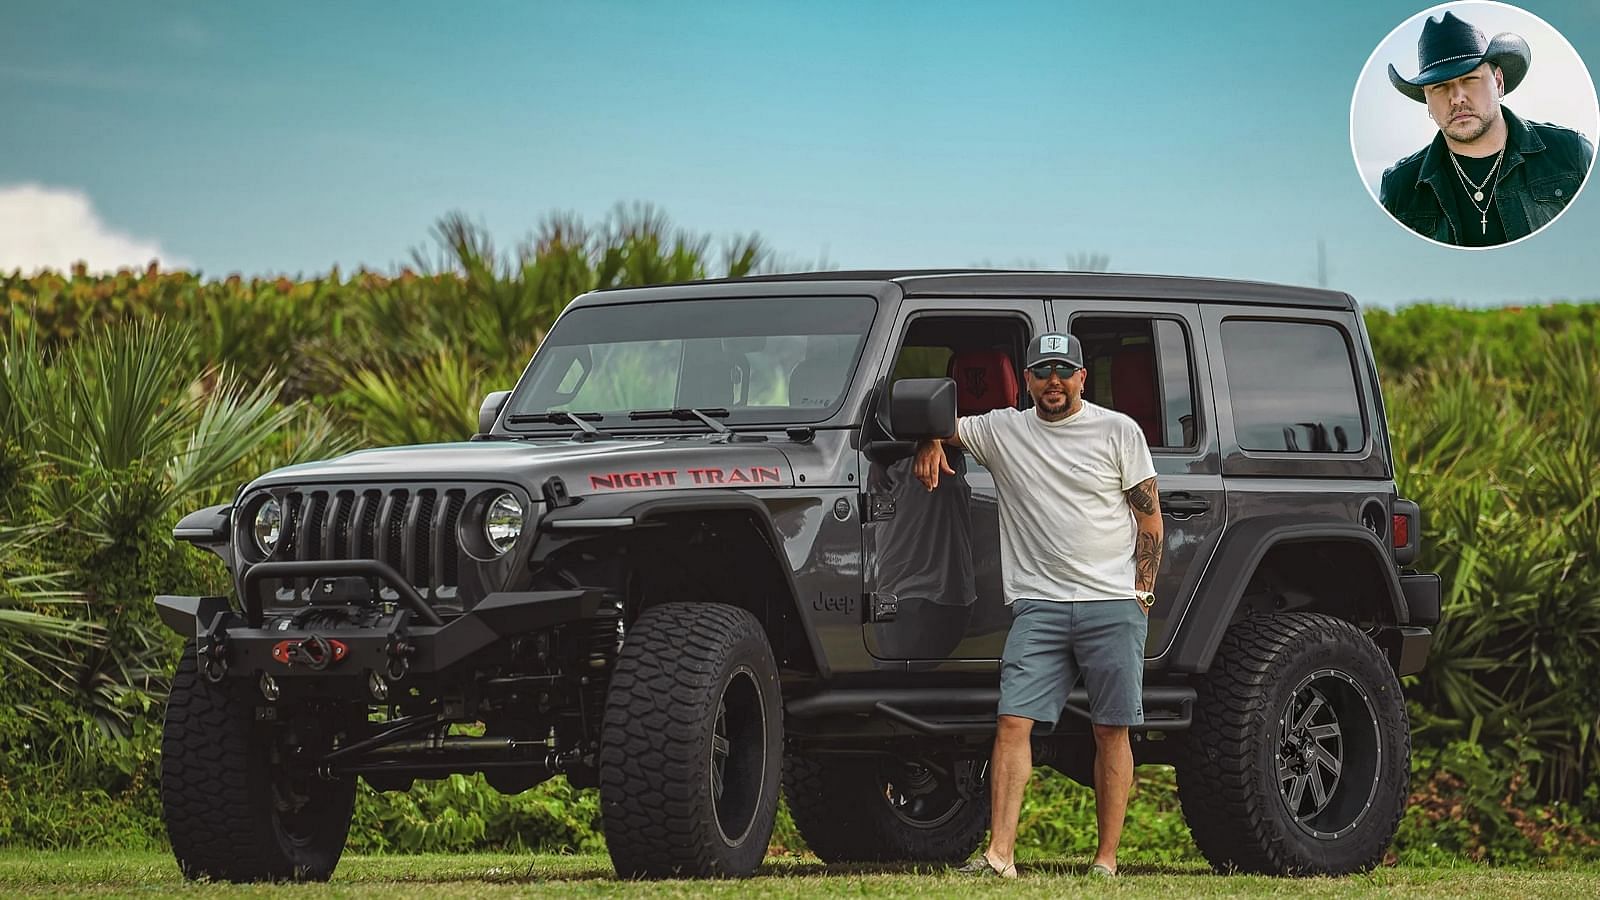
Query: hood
x=606, y=466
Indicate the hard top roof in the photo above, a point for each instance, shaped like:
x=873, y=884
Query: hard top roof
x=979, y=283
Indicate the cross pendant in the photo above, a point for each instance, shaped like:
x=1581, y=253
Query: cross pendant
x=1483, y=220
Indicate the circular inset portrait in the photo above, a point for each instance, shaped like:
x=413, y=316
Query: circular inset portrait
x=1473, y=124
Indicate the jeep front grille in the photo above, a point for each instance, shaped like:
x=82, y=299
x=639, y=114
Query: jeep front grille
x=414, y=531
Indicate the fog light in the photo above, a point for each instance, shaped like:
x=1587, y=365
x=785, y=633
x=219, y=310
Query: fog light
x=269, y=688
x=376, y=686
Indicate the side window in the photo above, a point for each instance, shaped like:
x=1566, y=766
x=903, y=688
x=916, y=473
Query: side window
x=983, y=355
x=1293, y=387
x=922, y=362
x=1142, y=367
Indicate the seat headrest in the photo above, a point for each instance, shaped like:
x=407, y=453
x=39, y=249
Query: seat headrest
x=708, y=380
x=817, y=382
x=1133, y=389
x=985, y=380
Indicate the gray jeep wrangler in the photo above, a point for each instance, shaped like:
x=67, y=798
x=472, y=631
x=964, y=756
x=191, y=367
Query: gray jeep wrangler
x=685, y=561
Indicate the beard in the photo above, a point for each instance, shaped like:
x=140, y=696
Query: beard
x=1468, y=130
x=1054, y=406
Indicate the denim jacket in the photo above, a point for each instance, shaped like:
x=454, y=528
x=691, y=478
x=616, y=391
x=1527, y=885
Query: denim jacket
x=1542, y=170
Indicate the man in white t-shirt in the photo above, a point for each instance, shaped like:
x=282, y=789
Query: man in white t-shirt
x=1080, y=544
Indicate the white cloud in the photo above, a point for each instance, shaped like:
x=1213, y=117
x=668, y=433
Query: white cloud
x=52, y=228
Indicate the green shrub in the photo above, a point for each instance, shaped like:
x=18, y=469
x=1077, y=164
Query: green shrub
x=1058, y=818
x=64, y=783
x=1471, y=802
x=463, y=813
x=1423, y=335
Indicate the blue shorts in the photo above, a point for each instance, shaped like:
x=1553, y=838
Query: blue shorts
x=1052, y=643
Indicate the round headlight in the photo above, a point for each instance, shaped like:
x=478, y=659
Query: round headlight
x=502, y=523
x=268, y=526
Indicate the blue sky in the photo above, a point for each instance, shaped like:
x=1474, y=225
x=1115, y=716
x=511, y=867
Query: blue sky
x=1186, y=139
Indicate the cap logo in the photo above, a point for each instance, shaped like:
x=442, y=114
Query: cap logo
x=1055, y=343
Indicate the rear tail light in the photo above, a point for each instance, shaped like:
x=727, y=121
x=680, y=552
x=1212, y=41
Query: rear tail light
x=1405, y=530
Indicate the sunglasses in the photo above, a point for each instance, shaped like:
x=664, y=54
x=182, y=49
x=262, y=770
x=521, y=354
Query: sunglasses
x=1043, y=370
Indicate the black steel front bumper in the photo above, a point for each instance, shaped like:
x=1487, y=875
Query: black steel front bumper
x=407, y=641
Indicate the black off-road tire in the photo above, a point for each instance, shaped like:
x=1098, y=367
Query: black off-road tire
x=220, y=790
x=1287, y=698
x=881, y=810
x=692, y=744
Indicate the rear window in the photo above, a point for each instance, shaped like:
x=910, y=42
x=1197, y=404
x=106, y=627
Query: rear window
x=1140, y=367
x=1292, y=386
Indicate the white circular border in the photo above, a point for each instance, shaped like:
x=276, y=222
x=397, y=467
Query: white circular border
x=1366, y=69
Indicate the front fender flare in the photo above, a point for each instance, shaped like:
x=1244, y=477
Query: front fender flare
x=602, y=512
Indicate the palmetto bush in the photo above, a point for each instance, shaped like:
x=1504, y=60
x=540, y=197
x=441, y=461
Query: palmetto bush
x=120, y=436
x=38, y=631
x=1504, y=458
x=430, y=401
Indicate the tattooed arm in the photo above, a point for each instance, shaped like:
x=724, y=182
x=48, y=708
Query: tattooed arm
x=1147, y=545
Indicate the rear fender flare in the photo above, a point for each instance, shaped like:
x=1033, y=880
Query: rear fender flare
x=1221, y=589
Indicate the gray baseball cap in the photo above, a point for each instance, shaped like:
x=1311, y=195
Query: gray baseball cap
x=1055, y=347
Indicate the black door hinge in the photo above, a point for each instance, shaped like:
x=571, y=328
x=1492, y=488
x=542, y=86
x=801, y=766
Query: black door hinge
x=882, y=607
x=880, y=507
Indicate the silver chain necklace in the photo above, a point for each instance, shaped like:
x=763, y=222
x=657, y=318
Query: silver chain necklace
x=1476, y=190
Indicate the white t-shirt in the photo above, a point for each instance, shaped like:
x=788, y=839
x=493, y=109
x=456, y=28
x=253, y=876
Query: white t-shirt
x=1066, y=529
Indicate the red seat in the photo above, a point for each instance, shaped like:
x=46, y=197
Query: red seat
x=1133, y=390
x=985, y=380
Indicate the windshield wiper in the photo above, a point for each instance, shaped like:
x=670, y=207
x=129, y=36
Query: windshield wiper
x=587, y=432
x=689, y=414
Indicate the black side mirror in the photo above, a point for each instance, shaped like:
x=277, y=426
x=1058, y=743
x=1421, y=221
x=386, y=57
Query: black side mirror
x=490, y=410
x=921, y=408
x=205, y=526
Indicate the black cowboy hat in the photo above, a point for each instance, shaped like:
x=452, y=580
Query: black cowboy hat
x=1450, y=48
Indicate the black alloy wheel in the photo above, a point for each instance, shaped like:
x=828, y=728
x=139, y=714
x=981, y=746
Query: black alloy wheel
x=739, y=739
x=1328, y=752
x=882, y=808
x=1298, y=761
x=923, y=793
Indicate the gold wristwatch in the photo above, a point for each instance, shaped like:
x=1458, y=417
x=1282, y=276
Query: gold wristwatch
x=1146, y=599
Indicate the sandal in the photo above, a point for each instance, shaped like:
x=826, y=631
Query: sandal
x=982, y=865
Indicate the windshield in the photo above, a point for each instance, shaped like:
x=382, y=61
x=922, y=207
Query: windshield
x=773, y=360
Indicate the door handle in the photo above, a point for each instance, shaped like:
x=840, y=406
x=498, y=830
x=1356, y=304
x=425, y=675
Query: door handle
x=1183, y=504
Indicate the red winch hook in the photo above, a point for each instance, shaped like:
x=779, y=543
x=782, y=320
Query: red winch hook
x=313, y=652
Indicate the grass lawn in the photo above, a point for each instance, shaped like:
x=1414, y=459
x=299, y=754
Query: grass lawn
x=112, y=873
